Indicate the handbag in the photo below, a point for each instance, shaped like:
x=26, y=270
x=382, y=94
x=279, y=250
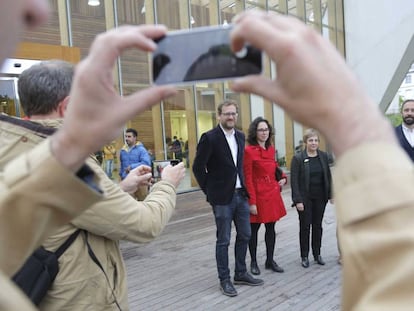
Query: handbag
x=278, y=173
x=39, y=271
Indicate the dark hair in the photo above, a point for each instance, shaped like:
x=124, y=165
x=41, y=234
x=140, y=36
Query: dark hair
x=227, y=102
x=44, y=85
x=406, y=101
x=252, y=133
x=133, y=131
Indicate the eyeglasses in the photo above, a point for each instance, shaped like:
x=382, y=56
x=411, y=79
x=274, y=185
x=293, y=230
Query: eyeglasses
x=263, y=130
x=230, y=114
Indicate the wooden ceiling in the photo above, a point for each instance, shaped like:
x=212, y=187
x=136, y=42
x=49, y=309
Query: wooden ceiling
x=274, y=5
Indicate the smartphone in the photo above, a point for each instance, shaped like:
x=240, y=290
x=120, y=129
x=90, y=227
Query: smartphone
x=158, y=166
x=202, y=54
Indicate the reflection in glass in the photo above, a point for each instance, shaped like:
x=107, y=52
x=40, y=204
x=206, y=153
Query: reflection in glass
x=9, y=97
x=202, y=55
x=87, y=22
x=176, y=128
x=206, y=108
x=228, y=10
x=168, y=13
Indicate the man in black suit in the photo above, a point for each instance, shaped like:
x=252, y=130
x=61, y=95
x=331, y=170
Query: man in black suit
x=405, y=131
x=218, y=169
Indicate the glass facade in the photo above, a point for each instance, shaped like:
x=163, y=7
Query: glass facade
x=193, y=110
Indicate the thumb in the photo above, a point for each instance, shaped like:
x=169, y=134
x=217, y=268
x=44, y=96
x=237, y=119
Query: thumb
x=147, y=175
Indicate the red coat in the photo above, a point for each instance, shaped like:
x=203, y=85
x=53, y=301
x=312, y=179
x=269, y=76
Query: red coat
x=259, y=167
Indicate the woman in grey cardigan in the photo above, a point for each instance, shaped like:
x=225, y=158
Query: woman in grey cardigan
x=311, y=190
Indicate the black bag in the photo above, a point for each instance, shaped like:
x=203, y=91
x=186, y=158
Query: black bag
x=39, y=271
x=278, y=173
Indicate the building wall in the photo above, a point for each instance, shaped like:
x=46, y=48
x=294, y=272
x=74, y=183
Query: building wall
x=193, y=111
x=378, y=34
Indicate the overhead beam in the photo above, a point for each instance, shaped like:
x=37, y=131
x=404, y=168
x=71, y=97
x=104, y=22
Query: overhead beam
x=406, y=61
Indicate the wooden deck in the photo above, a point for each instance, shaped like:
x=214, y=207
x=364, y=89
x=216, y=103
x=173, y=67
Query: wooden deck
x=177, y=271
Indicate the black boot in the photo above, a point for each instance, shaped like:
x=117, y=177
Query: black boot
x=272, y=265
x=305, y=262
x=319, y=260
x=254, y=268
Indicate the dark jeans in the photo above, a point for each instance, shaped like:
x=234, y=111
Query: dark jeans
x=312, y=215
x=270, y=240
x=238, y=211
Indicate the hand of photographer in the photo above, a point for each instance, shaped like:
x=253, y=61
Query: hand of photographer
x=96, y=112
x=313, y=84
x=139, y=176
x=173, y=174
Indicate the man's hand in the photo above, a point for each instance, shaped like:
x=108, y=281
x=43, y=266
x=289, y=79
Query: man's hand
x=173, y=174
x=139, y=176
x=96, y=112
x=313, y=84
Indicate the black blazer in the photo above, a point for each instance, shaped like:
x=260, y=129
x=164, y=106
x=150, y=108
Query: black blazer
x=214, y=167
x=300, y=176
x=404, y=142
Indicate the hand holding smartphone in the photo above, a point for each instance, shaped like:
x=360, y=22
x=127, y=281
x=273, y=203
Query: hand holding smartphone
x=202, y=54
x=158, y=166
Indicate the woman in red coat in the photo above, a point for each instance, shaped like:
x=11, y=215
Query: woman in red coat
x=266, y=204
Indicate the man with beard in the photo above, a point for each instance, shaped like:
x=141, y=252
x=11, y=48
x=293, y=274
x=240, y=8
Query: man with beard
x=218, y=168
x=405, y=131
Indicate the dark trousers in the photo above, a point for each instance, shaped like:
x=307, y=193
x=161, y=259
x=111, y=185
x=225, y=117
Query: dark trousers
x=311, y=216
x=236, y=211
x=270, y=240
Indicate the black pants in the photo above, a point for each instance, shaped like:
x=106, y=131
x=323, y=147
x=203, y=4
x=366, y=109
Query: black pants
x=270, y=240
x=312, y=215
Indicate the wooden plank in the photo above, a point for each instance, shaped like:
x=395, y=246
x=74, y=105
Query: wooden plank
x=178, y=270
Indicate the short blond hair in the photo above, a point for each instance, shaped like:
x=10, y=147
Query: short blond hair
x=310, y=133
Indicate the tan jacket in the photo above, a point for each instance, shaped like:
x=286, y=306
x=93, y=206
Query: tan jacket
x=80, y=284
x=109, y=152
x=375, y=207
x=27, y=216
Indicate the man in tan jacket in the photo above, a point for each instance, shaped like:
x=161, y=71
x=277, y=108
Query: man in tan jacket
x=81, y=284
x=37, y=188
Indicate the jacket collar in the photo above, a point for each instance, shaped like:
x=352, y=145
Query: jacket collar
x=127, y=148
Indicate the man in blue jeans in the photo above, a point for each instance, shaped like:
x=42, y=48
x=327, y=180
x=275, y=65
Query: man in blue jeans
x=218, y=168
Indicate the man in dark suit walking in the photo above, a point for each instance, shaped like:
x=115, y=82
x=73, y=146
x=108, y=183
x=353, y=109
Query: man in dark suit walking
x=405, y=131
x=218, y=168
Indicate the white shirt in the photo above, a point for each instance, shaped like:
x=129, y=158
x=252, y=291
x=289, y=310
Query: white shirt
x=409, y=134
x=231, y=141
